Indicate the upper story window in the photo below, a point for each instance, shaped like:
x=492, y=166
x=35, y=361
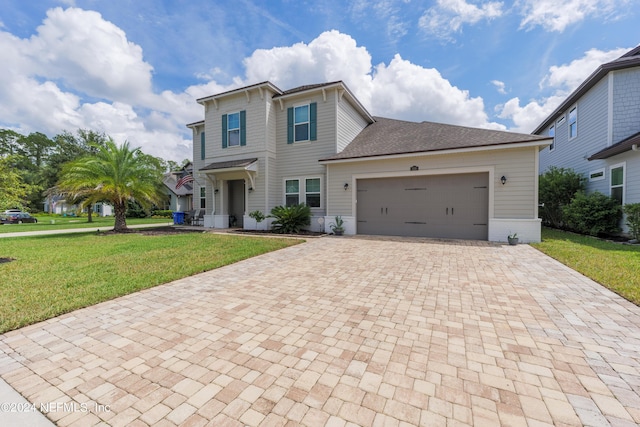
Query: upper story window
x=573, y=122
x=301, y=123
x=234, y=129
x=552, y=134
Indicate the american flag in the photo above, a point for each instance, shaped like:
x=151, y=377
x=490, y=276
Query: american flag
x=182, y=181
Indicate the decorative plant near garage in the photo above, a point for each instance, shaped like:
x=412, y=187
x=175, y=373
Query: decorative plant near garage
x=290, y=219
x=258, y=216
x=337, y=226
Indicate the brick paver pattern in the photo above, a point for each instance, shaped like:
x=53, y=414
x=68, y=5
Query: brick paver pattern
x=344, y=332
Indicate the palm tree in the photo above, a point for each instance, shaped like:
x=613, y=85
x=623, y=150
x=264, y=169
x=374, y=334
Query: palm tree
x=116, y=174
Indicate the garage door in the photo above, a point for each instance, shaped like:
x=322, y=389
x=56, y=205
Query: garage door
x=444, y=206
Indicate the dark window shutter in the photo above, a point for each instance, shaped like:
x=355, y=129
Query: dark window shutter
x=290, y=125
x=224, y=131
x=243, y=127
x=202, y=146
x=313, y=133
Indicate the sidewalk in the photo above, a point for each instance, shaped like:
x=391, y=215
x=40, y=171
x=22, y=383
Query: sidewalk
x=78, y=230
x=15, y=410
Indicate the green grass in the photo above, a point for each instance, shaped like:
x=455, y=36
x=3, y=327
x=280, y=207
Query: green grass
x=52, y=275
x=613, y=265
x=62, y=223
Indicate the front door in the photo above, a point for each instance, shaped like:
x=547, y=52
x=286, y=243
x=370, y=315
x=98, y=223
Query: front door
x=236, y=202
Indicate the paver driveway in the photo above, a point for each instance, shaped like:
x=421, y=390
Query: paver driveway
x=345, y=331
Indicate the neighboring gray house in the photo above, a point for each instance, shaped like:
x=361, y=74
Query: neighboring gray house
x=596, y=130
x=259, y=147
x=180, y=195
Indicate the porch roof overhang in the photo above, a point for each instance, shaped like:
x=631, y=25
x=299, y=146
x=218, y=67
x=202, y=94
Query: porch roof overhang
x=628, y=144
x=246, y=167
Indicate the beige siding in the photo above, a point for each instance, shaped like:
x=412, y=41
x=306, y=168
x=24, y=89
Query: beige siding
x=350, y=124
x=300, y=159
x=516, y=199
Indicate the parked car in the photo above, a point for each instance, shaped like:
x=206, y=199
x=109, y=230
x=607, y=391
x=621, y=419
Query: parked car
x=17, y=218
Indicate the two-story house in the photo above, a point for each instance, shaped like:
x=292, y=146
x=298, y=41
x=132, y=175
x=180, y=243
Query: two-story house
x=596, y=130
x=259, y=147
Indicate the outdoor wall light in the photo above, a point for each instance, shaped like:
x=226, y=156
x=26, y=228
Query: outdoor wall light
x=346, y=186
x=503, y=180
x=250, y=189
x=216, y=191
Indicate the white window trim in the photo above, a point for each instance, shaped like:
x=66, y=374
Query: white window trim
x=203, y=197
x=561, y=120
x=599, y=178
x=319, y=193
x=284, y=187
x=622, y=165
x=552, y=147
x=308, y=122
x=229, y=130
x=302, y=189
x=574, y=107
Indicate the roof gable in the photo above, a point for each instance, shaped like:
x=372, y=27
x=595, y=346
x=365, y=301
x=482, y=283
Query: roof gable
x=628, y=60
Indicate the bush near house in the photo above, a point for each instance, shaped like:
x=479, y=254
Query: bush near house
x=593, y=214
x=162, y=214
x=290, y=219
x=557, y=187
x=632, y=210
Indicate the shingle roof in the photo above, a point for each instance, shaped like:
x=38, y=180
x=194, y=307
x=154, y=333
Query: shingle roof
x=628, y=60
x=388, y=137
x=229, y=164
x=619, y=148
x=306, y=87
x=170, y=180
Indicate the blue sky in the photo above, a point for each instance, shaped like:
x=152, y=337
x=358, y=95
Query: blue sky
x=133, y=68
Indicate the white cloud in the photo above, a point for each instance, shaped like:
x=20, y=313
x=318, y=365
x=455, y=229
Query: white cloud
x=569, y=76
x=76, y=55
x=557, y=15
x=561, y=80
x=500, y=87
x=80, y=71
x=397, y=90
x=448, y=16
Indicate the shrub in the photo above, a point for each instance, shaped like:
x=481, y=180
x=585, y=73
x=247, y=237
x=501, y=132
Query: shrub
x=557, y=187
x=632, y=210
x=593, y=214
x=258, y=216
x=162, y=213
x=290, y=219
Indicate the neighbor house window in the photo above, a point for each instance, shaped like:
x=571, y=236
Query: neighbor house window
x=597, y=175
x=552, y=134
x=312, y=192
x=292, y=192
x=234, y=129
x=301, y=123
x=202, y=155
x=560, y=120
x=617, y=183
x=573, y=122
x=203, y=197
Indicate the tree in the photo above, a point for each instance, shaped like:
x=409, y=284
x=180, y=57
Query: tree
x=557, y=188
x=13, y=190
x=116, y=174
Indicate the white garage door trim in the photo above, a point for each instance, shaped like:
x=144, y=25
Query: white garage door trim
x=446, y=171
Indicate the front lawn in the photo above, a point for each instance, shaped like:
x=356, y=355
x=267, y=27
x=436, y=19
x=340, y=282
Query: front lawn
x=57, y=222
x=615, y=266
x=52, y=275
